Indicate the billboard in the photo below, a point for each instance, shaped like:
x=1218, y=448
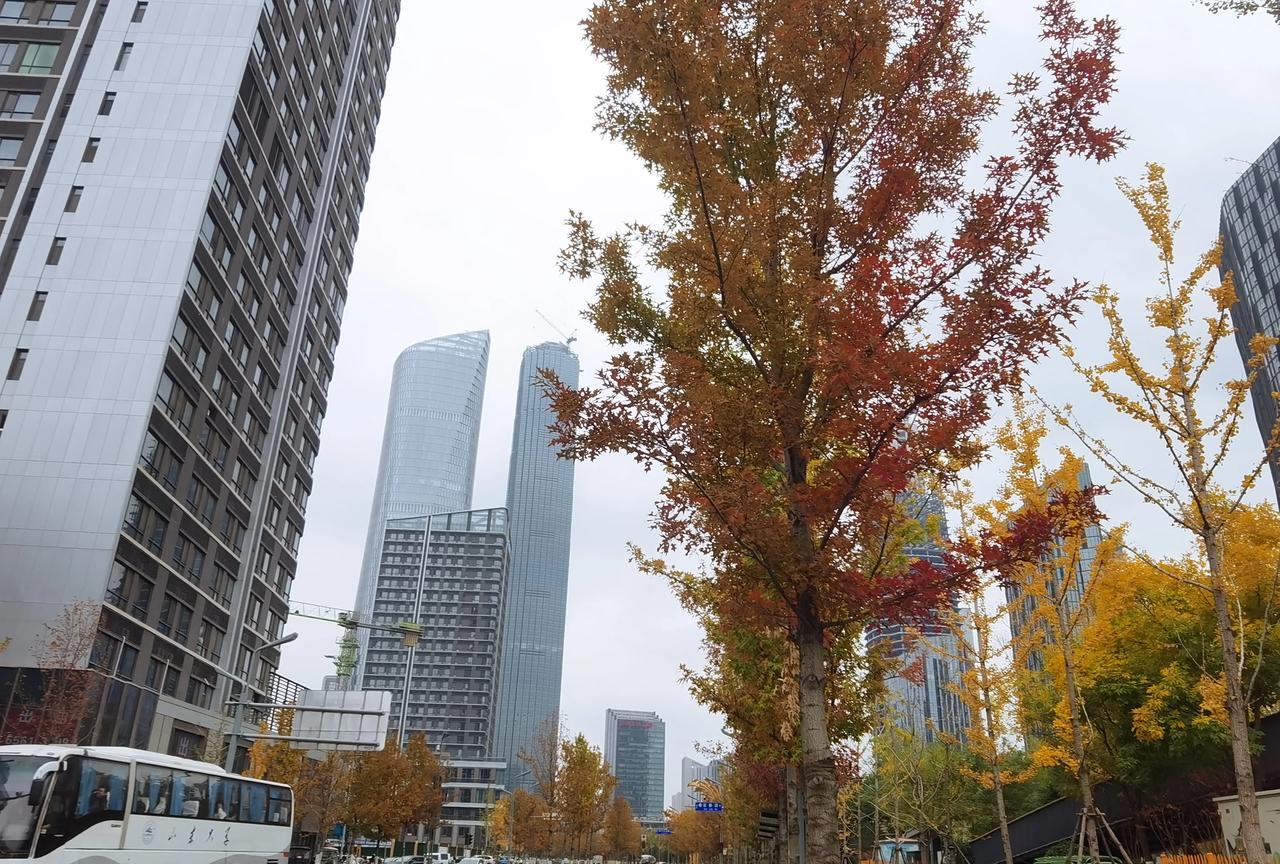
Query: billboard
x=341, y=720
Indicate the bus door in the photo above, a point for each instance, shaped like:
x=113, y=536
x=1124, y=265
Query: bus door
x=86, y=807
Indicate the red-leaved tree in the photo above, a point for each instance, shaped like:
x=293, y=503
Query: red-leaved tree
x=840, y=302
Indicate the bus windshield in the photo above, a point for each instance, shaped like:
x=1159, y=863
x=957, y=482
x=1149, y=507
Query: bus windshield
x=18, y=810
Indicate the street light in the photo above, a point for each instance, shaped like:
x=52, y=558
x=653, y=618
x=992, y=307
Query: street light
x=237, y=716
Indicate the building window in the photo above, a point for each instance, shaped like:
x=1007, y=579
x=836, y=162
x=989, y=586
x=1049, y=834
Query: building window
x=122, y=59
x=139, y=12
x=57, y=13
x=108, y=101
x=55, y=250
x=36, y=58
x=91, y=150
x=73, y=199
x=9, y=149
x=37, y=306
x=144, y=524
x=20, y=106
x=18, y=363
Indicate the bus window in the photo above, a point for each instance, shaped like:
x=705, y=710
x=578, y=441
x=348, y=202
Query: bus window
x=253, y=803
x=225, y=797
x=153, y=791
x=190, y=795
x=278, y=806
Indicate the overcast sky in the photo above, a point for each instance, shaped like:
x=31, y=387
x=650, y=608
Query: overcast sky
x=486, y=142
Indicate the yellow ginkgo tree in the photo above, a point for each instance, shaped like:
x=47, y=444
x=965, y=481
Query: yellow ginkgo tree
x=1051, y=511
x=1175, y=400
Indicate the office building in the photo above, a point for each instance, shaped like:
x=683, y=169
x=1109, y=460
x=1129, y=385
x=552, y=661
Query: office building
x=692, y=771
x=1070, y=586
x=180, y=190
x=1250, y=228
x=429, y=443
x=929, y=653
x=444, y=572
x=540, y=501
x=635, y=747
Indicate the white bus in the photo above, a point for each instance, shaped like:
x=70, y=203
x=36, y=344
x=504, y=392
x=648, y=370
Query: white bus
x=116, y=805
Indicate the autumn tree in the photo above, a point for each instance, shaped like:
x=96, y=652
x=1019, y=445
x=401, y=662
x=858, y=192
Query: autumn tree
x=694, y=832
x=321, y=795
x=427, y=788
x=1246, y=7
x=585, y=789
x=811, y=312
x=57, y=704
x=1151, y=667
x=386, y=793
x=531, y=831
x=621, y=835
x=543, y=759
x=1054, y=510
x=274, y=759
x=1191, y=428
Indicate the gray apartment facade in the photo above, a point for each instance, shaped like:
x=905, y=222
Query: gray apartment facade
x=635, y=748
x=540, y=502
x=182, y=185
x=1250, y=228
x=444, y=572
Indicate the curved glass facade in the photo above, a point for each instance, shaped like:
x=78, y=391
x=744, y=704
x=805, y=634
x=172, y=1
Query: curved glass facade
x=540, y=504
x=429, y=444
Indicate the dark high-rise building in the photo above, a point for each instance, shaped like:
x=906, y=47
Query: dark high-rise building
x=180, y=191
x=445, y=573
x=1250, y=226
x=540, y=501
x=635, y=748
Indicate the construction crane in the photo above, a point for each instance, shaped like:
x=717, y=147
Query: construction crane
x=568, y=339
x=345, y=661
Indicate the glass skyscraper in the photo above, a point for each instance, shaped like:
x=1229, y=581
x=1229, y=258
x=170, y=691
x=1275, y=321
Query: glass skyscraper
x=921, y=697
x=429, y=444
x=635, y=746
x=540, y=503
x=1250, y=226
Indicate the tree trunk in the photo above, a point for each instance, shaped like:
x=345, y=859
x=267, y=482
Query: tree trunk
x=993, y=733
x=1077, y=727
x=1241, y=756
x=1001, y=812
x=822, y=842
x=790, y=823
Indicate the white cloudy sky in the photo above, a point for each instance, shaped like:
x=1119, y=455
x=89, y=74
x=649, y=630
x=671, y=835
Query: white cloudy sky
x=486, y=141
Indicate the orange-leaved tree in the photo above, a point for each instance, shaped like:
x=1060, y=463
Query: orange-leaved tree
x=1191, y=428
x=820, y=341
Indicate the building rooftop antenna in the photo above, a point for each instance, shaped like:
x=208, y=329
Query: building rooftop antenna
x=569, y=339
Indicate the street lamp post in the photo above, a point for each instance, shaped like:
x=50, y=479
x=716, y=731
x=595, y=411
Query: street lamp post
x=237, y=716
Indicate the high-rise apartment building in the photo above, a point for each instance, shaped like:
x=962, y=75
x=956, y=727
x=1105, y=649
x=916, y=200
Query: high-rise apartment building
x=930, y=654
x=1250, y=228
x=444, y=572
x=180, y=190
x=429, y=443
x=540, y=502
x=1070, y=586
x=635, y=748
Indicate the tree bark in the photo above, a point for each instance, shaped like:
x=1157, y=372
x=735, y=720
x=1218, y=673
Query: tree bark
x=1237, y=715
x=822, y=842
x=1077, y=727
x=790, y=821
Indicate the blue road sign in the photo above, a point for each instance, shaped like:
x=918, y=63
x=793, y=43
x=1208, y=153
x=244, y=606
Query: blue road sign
x=708, y=806
x=663, y=831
